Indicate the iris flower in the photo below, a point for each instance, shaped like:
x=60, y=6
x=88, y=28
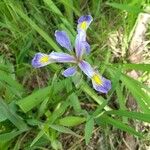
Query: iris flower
x=82, y=47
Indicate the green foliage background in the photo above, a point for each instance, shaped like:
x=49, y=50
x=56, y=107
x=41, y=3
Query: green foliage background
x=38, y=106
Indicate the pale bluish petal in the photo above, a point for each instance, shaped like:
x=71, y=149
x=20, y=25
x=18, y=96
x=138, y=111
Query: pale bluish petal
x=70, y=71
x=86, y=68
x=104, y=86
x=62, y=57
x=87, y=47
x=79, y=46
x=63, y=39
x=41, y=59
x=84, y=22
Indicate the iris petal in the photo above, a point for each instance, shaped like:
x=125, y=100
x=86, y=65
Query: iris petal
x=69, y=72
x=63, y=39
x=79, y=45
x=100, y=83
x=104, y=86
x=87, y=47
x=62, y=57
x=86, y=68
x=41, y=59
x=84, y=22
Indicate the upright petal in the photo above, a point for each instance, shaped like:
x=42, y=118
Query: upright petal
x=86, y=68
x=84, y=22
x=79, y=46
x=62, y=57
x=100, y=83
x=63, y=39
x=87, y=47
x=70, y=71
x=41, y=59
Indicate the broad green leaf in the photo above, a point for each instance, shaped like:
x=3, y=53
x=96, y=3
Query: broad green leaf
x=75, y=102
x=63, y=130
x=4, y=77
x=71, y=121
x=89, y=126
x=9, y=136
x=12, y=116
x=34, y=99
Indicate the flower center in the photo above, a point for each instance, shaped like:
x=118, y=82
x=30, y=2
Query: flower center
x=44, y=59
x=97, y=79
x=83, y=25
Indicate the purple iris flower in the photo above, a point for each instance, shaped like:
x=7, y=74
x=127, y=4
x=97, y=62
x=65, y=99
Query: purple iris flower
x=100, y=83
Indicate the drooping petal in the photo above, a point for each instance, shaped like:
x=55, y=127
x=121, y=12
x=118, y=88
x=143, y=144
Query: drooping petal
x=62, y=57
x=84, y=22
x=41, y=59
x=63, y=39
x=70, y=71
x=101, y=84
x=86, y=68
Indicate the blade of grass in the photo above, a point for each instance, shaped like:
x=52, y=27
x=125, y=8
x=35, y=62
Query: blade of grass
x=38, y=29
x=118, y=124
x=12, y=116
x=136, y=89
x=133, y=115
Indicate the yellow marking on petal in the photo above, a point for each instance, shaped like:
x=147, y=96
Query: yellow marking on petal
x=44, y=59
x=83, y=25
x=97, y=79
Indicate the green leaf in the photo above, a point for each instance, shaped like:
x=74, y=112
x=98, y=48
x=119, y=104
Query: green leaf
x=15, y=86
x=34, y=99
x=116, y=123
x=9, y=136
x=120, y=97
x=140, y=96
x=89, y=126
x=64, y=130
x=58, y=12
x=12, y=116
x=2, y=114
x=59, y=111
x=142, y=67
x=40, y=134
x=71, y=121
x=128, y=8
x=133, y=115
x=75, y=102
x=37, y=28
